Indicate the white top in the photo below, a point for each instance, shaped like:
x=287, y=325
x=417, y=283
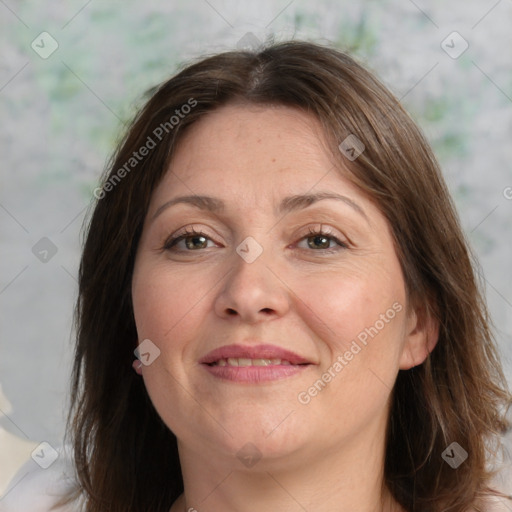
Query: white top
x=35, y=489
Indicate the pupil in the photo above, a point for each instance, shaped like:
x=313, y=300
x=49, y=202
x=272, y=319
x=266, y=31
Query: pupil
x=321, y=241
x=190, y=242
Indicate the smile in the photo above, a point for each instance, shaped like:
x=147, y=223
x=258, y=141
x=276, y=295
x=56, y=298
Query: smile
x=253, y=363
x=242, y=361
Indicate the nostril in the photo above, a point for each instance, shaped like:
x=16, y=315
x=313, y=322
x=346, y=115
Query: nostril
x=231, y=311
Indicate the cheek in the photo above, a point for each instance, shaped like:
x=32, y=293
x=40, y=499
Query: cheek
x=362, y=333
x=166, y=301
x=361, y=322
x=352, y=305
x=168, y=309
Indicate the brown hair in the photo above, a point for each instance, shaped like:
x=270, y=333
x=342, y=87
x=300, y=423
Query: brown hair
x=126, y=458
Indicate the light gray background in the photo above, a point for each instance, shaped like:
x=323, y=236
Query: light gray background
x=60, y=118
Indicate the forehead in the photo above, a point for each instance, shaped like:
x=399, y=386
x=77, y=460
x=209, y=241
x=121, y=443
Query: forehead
x=254, y=149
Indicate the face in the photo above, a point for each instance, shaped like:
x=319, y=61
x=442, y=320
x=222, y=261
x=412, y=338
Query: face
x=271, y=287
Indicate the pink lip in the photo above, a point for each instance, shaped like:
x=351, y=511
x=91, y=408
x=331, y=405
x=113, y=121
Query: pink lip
x=254, y=374
x=253, y=352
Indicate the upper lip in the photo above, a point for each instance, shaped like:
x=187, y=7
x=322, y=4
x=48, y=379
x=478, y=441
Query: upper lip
x=253, y=352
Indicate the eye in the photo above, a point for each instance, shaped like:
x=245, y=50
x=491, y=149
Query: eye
x=322, y=240
x=193, y=241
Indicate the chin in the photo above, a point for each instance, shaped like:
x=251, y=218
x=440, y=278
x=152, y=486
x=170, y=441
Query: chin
x=270, y=439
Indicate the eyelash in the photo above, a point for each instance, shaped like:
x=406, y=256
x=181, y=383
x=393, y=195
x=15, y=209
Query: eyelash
x=189, y=233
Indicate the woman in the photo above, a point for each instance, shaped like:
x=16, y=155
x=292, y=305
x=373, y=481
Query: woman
x=277, y=307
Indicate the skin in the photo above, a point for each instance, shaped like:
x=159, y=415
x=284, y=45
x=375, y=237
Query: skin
x=327, y=454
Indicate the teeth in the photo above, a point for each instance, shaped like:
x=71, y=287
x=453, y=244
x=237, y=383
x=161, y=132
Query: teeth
x=261, y=362
x=243, y=361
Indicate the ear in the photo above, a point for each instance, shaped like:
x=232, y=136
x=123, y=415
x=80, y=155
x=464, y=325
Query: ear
x=422, y=333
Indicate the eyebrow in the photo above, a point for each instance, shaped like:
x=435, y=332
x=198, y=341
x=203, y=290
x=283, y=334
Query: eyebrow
x=207, y=203
x=288, y=204
x=301, y=201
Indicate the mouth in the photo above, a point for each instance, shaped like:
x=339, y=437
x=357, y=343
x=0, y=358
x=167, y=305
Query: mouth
x=253, y=364
x=242, y=361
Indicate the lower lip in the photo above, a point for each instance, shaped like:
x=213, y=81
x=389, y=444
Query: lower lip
x=255, y=374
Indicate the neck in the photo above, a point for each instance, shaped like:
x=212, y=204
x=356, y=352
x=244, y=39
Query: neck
x=345, y=480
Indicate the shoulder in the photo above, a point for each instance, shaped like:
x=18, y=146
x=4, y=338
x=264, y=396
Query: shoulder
x=494, y=504
x=38, y=489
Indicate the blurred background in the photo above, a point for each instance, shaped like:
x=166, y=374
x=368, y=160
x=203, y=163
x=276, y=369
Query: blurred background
x=73, y=73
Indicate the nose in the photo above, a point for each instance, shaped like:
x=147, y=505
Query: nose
x=252, y=292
